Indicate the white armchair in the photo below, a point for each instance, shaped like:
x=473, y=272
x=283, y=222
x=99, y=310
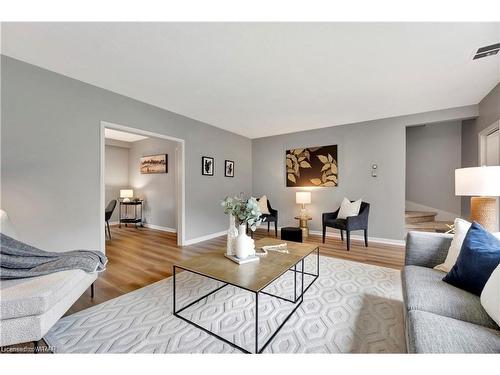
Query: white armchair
x=30, y=307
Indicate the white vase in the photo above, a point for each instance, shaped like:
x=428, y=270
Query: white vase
x=243, y=245
x=232, y=233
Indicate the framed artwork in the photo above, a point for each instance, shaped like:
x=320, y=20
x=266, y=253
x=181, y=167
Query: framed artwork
x=207, y=166
x=154, y=164
x=312, y=166
x=229, y=168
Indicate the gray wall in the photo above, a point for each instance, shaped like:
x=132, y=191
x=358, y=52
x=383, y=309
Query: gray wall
x=50, y=157
x=489, y=112
x=157, y=190
x=432, y=155
x=116, y=174
x=359, y=146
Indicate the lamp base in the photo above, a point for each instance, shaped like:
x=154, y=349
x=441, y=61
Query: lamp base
x=483, y=210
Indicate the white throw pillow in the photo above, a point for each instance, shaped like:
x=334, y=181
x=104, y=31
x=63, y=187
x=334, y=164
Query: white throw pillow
x=461, y=228
x=263, y=205
x=490, y=296
x=349, y=209
x=6, y=226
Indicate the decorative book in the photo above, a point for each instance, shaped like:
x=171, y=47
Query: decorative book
x=249, y=259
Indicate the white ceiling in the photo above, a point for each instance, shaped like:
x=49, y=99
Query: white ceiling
x=260, y=79
x=122, y=136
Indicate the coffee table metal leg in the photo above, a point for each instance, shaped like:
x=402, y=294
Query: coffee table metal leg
x=295, y=282
x=174, y=290
x=256, y=322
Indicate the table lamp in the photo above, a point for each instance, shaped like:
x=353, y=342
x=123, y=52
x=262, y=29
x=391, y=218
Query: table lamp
x=482, y=184
x=126, y=194
x=303, y=198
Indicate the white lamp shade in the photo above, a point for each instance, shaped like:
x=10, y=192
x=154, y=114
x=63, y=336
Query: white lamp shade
x=303, y=197
x=478, y=181
x=126, y=193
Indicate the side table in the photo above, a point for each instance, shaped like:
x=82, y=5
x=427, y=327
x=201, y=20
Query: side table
x=303, y=225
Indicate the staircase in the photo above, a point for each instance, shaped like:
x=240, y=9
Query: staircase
x=424, y=221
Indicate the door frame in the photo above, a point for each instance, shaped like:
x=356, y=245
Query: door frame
x=179, y=177
x=482, y=141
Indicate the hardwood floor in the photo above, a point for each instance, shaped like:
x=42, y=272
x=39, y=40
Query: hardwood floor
x=139, y=257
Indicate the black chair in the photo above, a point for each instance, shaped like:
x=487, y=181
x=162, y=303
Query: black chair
x=359, y=222
x=272, y=217
x=108, y=212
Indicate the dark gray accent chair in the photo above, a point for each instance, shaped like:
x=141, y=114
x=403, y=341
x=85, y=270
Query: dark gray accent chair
x=359, y=222
x=107, y=214
x=440, y=318
x=272, y=217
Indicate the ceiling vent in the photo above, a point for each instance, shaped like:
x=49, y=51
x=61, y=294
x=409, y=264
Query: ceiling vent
x=487, y=51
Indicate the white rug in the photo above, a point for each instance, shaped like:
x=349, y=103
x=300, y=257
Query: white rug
x=351, y=308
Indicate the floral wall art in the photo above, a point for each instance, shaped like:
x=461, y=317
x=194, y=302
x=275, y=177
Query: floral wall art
x=312, y=166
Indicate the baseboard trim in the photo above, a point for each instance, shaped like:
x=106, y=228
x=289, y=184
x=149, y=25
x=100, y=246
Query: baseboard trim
x=196, y=240
x=158, y=227
x=152, y=226
x=385, y=241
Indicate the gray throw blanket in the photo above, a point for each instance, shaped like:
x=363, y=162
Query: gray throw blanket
x=19, y=260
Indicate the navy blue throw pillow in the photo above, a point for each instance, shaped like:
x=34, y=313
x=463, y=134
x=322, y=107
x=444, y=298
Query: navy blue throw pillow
x=478, y=258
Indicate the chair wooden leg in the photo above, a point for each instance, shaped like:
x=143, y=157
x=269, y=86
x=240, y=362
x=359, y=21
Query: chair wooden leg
x=366, y=237
x=109, y=231
x=268, y=226
x=324, y=233
x=92, y=290
x=348, y=240
x=342, y=235
x=276, y=228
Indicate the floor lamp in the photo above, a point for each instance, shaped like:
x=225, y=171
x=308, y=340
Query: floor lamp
x=482, y=184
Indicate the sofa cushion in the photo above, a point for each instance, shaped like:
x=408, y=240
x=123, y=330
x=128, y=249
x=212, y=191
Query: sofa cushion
x=425, y=290
x=431, y=333
x=36, y=295
x=479, y=256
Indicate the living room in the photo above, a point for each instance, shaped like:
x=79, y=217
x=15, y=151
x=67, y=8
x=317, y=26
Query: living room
x=309, y=200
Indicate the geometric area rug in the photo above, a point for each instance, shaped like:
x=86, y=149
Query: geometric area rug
x=351, y=308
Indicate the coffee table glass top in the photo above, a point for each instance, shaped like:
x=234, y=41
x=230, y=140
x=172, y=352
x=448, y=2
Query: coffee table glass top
x=253, y=276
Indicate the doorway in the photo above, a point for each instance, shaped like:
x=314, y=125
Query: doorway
x=489, y=145
x=145, y=171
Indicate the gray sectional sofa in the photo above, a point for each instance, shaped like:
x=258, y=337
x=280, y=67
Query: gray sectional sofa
x=439, y=317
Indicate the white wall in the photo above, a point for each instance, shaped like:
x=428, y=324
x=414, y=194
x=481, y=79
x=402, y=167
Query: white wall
x=157, y=190
x=433, y=152
x=116, y=175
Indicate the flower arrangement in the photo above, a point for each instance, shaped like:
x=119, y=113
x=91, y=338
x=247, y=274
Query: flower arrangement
x=245, y=211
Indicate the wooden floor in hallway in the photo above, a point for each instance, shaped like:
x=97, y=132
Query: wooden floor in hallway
x=139, y=257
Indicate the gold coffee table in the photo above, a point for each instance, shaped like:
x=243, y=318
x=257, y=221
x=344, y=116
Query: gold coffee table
x=253, y=277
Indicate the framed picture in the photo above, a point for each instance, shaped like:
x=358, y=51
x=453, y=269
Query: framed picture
x=229, y=168
x=312, y=166
x=207, y=166
x=154, y=164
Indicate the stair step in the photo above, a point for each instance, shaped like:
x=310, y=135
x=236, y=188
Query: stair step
x=412, y=217
x=430, y=226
